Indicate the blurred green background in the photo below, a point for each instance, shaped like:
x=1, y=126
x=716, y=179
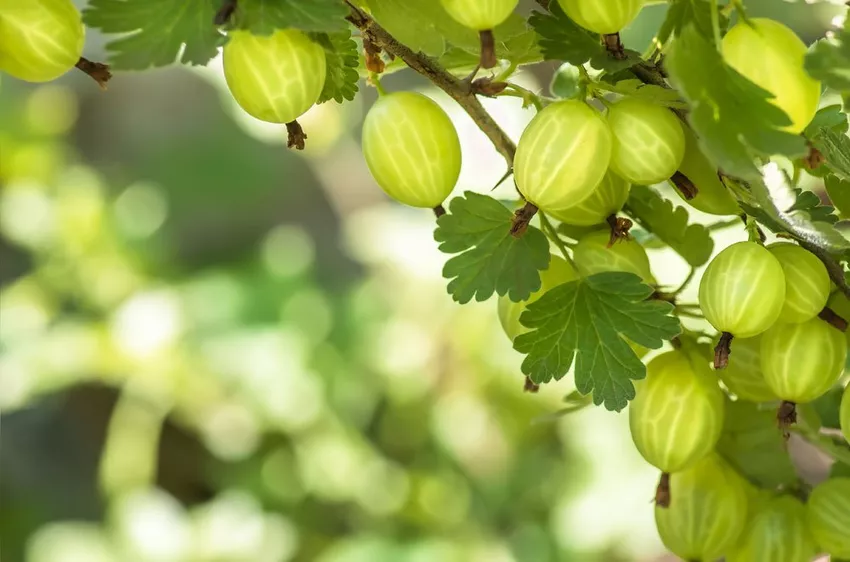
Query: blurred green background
x=215, y=349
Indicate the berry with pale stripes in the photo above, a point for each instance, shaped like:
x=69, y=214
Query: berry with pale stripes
x=649, y=143
x=743, y=374
x=607, y=198
x=609, y=16
x=593, y=255
x=562, y=155
x=412, y=149
x=677, y=415
x=770, y=54
x=829, y=516
x=277, y=77
x=707, y=511
x=40, y=40
x=778, y=531
x=800, y=362
x=806, y=282
x=479, y=14
x=712, y=196
x=742, y=290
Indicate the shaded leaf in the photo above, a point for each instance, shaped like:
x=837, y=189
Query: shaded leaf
x=342, y=61
x=835, y=148
x=829, y=60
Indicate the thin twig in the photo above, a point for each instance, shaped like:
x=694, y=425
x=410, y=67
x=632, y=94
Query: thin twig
x=431, y=69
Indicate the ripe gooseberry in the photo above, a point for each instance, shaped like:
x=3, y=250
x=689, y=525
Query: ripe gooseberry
x=742, y=290
x=562, y=155
x=778, y=531
x=829, y=516
x=277, y=77
x=412, y=149
x=712, y=196
x=602, y=17
x=677, y=415
x=649, y=143
x=771, y=55
x=607, y=198
x=800, y=362
x=593, y=255
x=806, y=282
x=479, y=15
x=558, y=272
x=707, y=511
x=743, y=374
x=40, y=40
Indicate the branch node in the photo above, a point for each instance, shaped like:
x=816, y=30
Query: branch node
x=723, y=350
x=832, y=318
x=297, y=137
x=521, y=219
x=98, y=71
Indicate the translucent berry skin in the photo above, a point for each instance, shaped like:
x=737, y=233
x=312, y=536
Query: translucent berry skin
x=479, y=15
x=742, y=290
x=800, y=362
x=778, y=531
x=275, y=78
x=707, y=512
x=829, y=516
x=562, y=155
x=649, y=143
x=592, y=255
x=607, y=198
x=806, y=282
x=712, y=196
x=677, y=415
x=771, y=55
x=743, y=374
x=602, y=17
x=412, y=149
x=844, y=413
x=559, y=272
x=40, y=40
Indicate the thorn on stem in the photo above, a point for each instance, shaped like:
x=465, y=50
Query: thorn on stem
x=620, y=227
x=97, y=70
x=521, y=219
x=223, y=15
x=786, y=416
x=723, y=350
x=439, y=211
x=685, y=186
x=662, y=492
x=614, y=46
x=530, y=385
x=488, y=49
x=297, y=136
x=832, y=318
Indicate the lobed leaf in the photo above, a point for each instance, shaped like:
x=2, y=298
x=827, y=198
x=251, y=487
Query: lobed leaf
x=490, y=259
x=585, y=321
x=829, y=60
x=342, y=59
x=670, y=224
x=835, y=148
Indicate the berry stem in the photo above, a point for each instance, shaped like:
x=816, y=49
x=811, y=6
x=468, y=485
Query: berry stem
x=297, y=136
x=786, y=416
x=685, y=186
x=488, y=48
x=833, y=319
x=521, y=219
x=98, y=71
x=723, y=350
x=662, y=492
x=620, y=227
x=530, y=385
x=439, y=211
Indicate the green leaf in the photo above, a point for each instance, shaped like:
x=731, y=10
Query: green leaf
x=754, y=446
x=683, y=12
x=158, y=32
x=839, y=193
x=783, y=208
x=343, y=60
x=829, y=60
x=828, y=407
x=730, y=114
x=585, y=320
x=564, y=40
x=649, y=92
x=670, y=224
x=830, y=117
x=263, y=17
x=835, y=148
x=491, y=260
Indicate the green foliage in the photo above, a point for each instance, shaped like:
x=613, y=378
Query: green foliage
x=263, y=17
x=491, y=259
x=670, y=224
x=829, y=61
x=342, y=63
x=718, y=96
x=586, y=321
x=834, y=145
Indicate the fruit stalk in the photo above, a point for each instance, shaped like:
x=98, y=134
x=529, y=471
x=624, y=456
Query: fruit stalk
x=722, y=350
x=97, y=70
x=833, y=319
x=297, y=137
x=488, y=48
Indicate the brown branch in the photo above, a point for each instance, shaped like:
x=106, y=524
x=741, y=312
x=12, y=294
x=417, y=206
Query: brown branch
x=458, y=89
